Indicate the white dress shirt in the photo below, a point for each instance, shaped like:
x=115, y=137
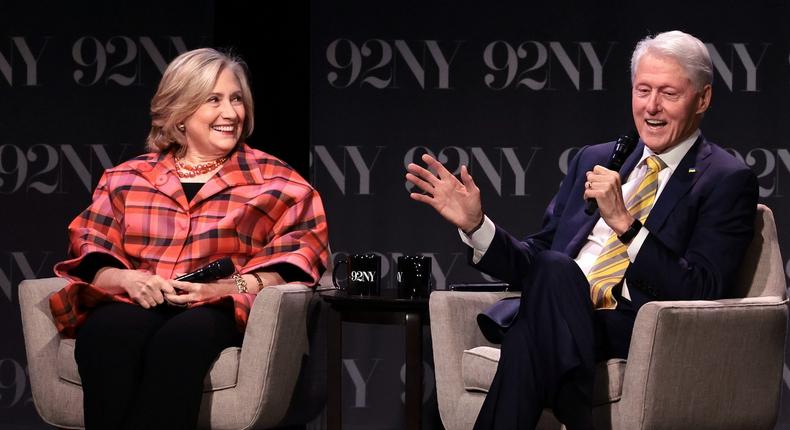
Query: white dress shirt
x=482, y=238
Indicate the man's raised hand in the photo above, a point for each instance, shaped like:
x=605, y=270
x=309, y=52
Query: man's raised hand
x=457, y=201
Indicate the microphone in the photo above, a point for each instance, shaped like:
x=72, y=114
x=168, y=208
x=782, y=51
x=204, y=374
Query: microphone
x=622, y=149
x=217, y=269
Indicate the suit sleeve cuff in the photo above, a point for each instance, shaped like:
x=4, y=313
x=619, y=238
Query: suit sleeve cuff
x=480, y=240
x=636, y=244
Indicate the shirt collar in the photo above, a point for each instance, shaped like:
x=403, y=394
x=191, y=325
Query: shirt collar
x=674, y=155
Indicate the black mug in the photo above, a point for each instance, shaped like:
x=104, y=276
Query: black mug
x=363, y=274
x=414, y=276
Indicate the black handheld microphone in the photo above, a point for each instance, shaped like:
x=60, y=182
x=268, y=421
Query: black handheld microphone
x=622, y=149
x=217, y=269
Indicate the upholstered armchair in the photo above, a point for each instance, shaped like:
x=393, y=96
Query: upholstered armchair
x=692, y=364
x=247, y=387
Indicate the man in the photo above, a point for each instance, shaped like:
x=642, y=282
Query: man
x=676, y=229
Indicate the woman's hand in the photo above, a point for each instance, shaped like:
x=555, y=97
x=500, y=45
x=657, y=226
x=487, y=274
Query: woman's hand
x=143, y=288
x=149, y=290
x=199, y=292
x=457, y=201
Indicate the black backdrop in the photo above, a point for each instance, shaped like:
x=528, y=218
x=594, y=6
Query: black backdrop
x=349, y=92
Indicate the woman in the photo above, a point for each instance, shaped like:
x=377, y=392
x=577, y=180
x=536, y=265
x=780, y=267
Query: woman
x=144, y=341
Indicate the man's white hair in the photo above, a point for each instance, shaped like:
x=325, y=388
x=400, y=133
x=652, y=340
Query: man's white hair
x=687, y=50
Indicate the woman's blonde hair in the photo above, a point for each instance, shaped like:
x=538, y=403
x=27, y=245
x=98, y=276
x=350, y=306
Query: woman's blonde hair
x=185, y=85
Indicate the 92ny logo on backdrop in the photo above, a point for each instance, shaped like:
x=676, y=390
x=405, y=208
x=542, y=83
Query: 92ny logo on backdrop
x=535, y=65
x=16, y=266
x=505, y=169
x=42, y=167
x=117, y=60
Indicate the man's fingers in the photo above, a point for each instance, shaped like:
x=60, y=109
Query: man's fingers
x=604, y=180
x=467, y=180
x=422, y=173
x=434, y=164
x=597, y=177
x=421, y=184
x=424, y=198
x=591, y=193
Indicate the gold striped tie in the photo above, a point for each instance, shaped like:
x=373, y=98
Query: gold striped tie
x=610, y=265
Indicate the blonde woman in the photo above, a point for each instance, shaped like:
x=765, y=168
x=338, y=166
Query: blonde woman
x=145, y=341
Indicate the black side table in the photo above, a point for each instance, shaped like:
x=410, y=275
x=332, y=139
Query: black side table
x=383, y=309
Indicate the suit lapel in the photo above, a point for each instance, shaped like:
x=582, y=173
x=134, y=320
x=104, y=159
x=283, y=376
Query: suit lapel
x=631, y=161
x=688, y=171
x=586, y=224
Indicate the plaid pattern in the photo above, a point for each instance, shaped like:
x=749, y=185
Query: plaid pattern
x=256, y=209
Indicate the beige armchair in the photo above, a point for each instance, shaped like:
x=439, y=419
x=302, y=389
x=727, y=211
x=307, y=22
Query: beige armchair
x=247, y=387
x=723, y=372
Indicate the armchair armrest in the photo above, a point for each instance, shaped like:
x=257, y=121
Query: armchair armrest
x=480, y=286
x=41, y=346
x=719, y=362
x=275, y=341
x=454, y=329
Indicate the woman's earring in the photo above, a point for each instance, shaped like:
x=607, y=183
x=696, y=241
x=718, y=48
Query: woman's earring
x=181, y=127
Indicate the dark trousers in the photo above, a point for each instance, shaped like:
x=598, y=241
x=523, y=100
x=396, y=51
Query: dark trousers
x=144, y=368
x=548, y=355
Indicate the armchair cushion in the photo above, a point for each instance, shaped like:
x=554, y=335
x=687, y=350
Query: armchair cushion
x=224, y=372
x=608, y=385
x=67, y=366
x=478, y=366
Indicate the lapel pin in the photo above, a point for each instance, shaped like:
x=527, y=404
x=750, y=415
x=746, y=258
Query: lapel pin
x=693, y=170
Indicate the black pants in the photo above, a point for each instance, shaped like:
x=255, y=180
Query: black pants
x=548, y=355
x=144, y=368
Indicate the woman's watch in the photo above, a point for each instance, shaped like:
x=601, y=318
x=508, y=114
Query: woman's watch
x=632, y=231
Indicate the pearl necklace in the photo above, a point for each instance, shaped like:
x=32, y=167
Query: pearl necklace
x=184, y=170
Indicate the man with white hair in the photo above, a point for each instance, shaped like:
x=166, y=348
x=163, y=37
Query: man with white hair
x=675, y=228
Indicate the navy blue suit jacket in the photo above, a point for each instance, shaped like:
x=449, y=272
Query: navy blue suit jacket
x=700, y=226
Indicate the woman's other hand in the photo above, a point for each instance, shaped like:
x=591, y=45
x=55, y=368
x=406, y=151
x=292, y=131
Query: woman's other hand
x=143, y=288
x=199, y=292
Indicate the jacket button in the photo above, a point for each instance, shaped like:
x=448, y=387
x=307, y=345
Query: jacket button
x=161, y=180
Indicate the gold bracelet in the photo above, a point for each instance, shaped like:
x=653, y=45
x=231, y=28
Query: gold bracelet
x=241, y=284
x=260, y=282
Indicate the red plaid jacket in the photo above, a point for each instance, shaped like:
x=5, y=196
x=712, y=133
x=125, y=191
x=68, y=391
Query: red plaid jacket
x=256, y=209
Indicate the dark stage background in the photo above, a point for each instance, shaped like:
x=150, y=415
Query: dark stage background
x=349, y=92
